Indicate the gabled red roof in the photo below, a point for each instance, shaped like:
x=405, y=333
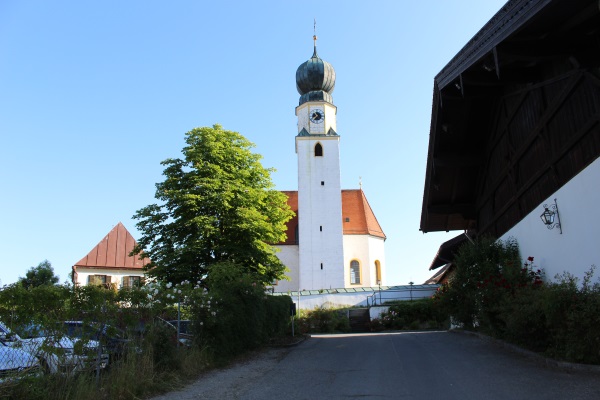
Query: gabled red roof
x=113, y=251
x=357, y=216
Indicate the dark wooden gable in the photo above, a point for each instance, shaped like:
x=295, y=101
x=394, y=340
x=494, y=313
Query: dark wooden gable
x=516, y=114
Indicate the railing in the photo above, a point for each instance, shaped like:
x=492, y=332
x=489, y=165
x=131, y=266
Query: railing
x=380, y=297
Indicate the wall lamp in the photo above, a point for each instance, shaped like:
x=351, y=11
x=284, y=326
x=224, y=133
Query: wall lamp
x=550, y=215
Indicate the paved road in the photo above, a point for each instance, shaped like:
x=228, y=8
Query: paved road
x=428, y=365
x=419, y=366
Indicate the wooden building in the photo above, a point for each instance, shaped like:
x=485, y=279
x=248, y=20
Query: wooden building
x=515, y=125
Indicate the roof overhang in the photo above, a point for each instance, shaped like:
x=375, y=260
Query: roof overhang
x=447, y=251
x=507, y=52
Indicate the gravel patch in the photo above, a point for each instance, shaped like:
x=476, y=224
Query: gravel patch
x=230, y=382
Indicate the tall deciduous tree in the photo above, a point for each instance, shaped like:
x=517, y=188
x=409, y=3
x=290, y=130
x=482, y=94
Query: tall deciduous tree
x=217, y=205
x=43, y=274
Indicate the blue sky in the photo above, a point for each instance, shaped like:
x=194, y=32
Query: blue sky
x=94, y=95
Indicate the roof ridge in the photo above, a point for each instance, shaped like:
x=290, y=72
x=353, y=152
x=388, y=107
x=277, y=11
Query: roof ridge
x=112, y=251
x=380, y=229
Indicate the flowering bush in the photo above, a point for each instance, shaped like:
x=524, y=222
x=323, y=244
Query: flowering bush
x=489, y=274
x=493, y=292
x=230, y=317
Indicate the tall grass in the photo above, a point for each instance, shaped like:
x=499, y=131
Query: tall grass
x=137, y=376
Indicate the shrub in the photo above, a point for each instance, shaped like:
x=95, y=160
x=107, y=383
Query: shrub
x=236, y=315
x=489, y=274
x=417, y=314
x=494, y=293
x=573, y=316
x=323, y=320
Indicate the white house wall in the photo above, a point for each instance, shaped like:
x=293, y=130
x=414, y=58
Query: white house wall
x=578, y=248
x=116, y=275
x=366, y=250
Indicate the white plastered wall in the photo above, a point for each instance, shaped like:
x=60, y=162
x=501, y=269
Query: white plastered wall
x=303, y=113
x=366, y=250
x=578, y=247
x=288, y=255
x=319, y=214
x=116, y=274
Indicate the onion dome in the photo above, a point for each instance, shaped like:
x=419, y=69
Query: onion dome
x=315, y=79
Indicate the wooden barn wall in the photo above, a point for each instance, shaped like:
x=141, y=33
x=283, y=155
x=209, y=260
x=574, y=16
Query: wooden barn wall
x=543, y=135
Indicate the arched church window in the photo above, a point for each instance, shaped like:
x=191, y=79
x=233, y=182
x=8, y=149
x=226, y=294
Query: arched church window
x=378, y=272
x=354, y=272
x=318, y=150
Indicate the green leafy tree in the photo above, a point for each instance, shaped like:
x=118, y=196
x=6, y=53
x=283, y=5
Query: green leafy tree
x=43, y=274
x=217, y=205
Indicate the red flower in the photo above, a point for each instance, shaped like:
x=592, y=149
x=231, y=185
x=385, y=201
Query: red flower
x=530, y=259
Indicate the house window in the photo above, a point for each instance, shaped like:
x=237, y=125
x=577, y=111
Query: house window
x=318, y=150
x=132, y=281
x=99, y=280
x=354, y=272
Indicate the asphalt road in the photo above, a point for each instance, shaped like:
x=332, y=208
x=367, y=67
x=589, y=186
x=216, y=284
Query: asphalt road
x=426, y=365
x=415, y=366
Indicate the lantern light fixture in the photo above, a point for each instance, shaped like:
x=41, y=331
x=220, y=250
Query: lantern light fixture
x=550, y=217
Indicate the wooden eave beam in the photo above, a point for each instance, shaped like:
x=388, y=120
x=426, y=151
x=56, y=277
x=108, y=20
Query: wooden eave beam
x=456, y=161
x=468, y=211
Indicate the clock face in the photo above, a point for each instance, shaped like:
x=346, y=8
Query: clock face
x=317, y=116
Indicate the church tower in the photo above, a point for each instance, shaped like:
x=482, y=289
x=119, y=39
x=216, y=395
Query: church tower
x=320, y=233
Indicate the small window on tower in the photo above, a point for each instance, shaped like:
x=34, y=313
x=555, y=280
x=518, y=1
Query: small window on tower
x=322, y=183
x=321, y=228
x=318, y=150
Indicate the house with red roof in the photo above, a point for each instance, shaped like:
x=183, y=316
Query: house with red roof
x=109, y=263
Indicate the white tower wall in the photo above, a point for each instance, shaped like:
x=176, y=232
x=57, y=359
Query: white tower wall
x=321, y=258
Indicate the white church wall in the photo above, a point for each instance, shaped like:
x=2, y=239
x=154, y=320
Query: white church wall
x=579, y=245
x=366, y=250
x=288, y=255
x=377, y=253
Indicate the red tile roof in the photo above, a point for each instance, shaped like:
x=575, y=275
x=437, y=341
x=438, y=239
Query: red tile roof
x=113, y=251
x=357, y=216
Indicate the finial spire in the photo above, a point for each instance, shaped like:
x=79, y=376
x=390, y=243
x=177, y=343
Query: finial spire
x=360, y=182
x=315, y=37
